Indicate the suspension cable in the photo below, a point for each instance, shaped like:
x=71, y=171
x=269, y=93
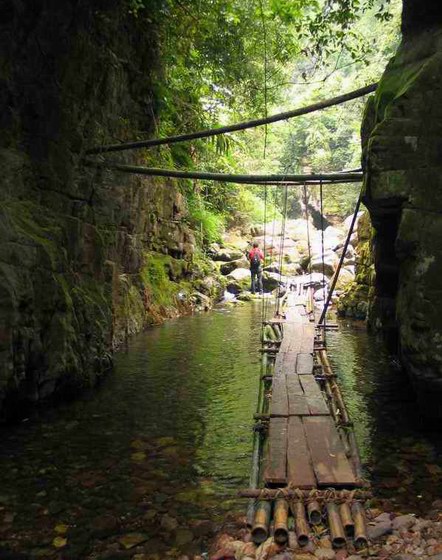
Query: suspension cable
x=281, y=247
x=308, y=234
x=324, y=283
x=263, y=299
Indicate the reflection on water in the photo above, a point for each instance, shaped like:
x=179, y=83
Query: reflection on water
x=165, y=442
x=402, y=455
x=168, y=432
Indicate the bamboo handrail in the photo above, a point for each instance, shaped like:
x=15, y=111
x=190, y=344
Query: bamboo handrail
x=238, y=126
x=278, y=179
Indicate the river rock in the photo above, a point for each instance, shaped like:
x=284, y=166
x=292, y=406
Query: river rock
x=183, y=536
x=228, y=267
x=325, y=554
x=200, y=301
x=379, y=530
x=238, y=280
x=345, y=277
x=330, y=263
x=403, y=522
x=226, y=255
x=271, y=281
x=169, y=523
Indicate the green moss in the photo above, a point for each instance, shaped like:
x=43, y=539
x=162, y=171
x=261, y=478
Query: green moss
x=156, y=279
x=31, y=221
x=396, y=81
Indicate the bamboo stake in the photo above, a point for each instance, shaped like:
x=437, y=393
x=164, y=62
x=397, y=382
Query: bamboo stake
x=301, y=525
x=314, y=513
x=347, y=521
x=238, y=126
x=280, y=516
x=336, y=529
x=260, y=530
x=360, y=538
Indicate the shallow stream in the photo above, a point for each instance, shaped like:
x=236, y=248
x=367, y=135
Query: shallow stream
x=151, y=461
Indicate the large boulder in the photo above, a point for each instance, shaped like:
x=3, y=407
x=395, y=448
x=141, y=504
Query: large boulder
x=271, y=281
x=226, y=254
x=230, y=266
x=345, y=278
x=238, y=280
x=330, y=264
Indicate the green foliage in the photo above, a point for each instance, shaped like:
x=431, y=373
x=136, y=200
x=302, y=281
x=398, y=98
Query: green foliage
x=227, y=60
x=209, y=224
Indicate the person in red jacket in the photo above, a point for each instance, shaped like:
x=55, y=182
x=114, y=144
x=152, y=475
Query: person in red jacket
x=256, y=258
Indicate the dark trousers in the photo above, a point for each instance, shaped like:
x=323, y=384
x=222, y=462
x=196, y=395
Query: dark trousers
x=256, y=281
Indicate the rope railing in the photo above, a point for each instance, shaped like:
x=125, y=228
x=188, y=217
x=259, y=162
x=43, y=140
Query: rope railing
x=361, y=92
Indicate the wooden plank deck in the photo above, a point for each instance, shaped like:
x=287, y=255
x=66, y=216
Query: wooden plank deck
x=276, y=458
x=304, y=447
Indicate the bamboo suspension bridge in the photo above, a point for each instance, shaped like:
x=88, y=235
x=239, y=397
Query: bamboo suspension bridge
x=306, y=471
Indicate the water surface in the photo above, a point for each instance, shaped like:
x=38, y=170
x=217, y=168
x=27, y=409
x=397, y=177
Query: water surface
x=161, y=448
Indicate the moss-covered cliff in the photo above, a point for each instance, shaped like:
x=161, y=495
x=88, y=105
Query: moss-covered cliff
x=403, y=186
x=86, y=258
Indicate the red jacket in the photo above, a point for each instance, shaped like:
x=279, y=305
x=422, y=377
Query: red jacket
x=254, y=251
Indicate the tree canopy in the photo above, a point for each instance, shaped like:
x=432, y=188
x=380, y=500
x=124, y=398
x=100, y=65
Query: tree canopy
x=226, y=60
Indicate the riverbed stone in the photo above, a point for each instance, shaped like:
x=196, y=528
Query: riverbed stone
x=379, y=530
x=403, y=522
x=183, y=536
x=325, y=554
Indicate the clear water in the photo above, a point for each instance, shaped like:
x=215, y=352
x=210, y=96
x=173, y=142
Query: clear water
x=169, y=432
x=402, y=453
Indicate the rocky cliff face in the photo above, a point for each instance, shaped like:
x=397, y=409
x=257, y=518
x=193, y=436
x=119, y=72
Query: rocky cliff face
x=402, y=148
x=85, y=258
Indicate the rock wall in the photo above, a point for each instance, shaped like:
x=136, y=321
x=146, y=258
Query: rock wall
x=402, y=153
x=86, y=257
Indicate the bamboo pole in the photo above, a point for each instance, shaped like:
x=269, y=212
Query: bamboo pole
x=280, y=517
x=256, y=453
x=301, y=524
x=360, y=537
x=225, y=177
x=347, y=521
x=336, y=529
x=238, y=126
x=341, y=260
x=314, y=512
x=260, y=529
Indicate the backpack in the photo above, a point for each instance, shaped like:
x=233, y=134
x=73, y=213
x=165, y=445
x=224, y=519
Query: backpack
x=255, y=261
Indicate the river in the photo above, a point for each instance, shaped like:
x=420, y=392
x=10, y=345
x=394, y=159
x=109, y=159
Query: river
x=156, y=454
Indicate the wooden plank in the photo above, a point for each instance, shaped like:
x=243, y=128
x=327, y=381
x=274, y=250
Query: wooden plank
x=299, y=466
x=289, y=363
x=279, y=405
x=279, y=363
x=276, y=460
x=317, y=406
x=310, y=385
x=304, y=364
x=330, y=463
x=307, y=341
x=298, y=404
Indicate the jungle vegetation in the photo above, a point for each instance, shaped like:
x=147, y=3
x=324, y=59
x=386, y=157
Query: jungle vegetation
x=231, y=60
